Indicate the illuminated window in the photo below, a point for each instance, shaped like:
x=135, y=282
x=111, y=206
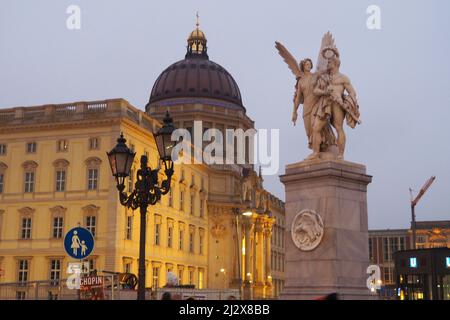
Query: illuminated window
x=62, y=145
x=413, y=262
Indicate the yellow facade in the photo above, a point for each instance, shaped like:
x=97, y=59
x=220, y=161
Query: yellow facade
x=38, y=205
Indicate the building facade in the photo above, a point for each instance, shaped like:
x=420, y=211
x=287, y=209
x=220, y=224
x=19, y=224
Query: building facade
x=54, y=175
x=383, y=244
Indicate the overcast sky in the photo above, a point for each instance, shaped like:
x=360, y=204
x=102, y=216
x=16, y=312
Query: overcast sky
x=401, y=74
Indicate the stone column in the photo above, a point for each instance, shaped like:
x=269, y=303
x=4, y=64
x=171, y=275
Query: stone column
x=267, y=239
x=326, y=233
x=248, y=227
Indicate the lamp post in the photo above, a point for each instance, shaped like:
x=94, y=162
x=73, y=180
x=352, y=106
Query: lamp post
x=147, y=190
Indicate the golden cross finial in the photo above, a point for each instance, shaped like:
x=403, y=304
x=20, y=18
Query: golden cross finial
x=197, y=23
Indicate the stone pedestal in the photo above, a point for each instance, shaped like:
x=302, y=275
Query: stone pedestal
x=335, y=190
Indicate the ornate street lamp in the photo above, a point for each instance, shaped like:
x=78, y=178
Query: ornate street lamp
x=146, y=191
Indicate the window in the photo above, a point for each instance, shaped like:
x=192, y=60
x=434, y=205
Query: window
x=200, y=279
x=2, y=177
x=157, y=233
x=182, y=200
x=191, y=276
x=170, y=197
x=20, y=295
x=58, y=227
x=26, y=228
x=192, y=204
x=386, y=254
x=29, y=181
x=92, y=179
x=55, y=271
x=155, y=277
x=91, y=265
x=91, y=224
x=191, y=241
x=130, y=181
x=402, y=244
x=60, y=180
x=23, y=270
x=94, y=143
x=129, y=227
x=169, y=235
x=202, y=214
x=31, y=147
x=393, y=243
x=127, y=267
x=2, y=149
x=181, y=240
x=201, y=237
x=180, y=276
x=62, y=146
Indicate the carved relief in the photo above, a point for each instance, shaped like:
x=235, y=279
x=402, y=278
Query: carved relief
x=307, y=230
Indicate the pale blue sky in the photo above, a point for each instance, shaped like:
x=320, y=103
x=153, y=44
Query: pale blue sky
x=401, y=74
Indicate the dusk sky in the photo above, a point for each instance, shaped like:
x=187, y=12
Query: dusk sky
x=401, y=74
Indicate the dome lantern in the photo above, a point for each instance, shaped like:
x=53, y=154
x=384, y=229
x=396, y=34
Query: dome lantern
x=197, y=43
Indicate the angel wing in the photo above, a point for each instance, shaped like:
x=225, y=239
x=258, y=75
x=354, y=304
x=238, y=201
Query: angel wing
x=327, y=41
x=289, y=59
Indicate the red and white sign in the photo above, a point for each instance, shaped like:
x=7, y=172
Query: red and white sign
x=91, y=282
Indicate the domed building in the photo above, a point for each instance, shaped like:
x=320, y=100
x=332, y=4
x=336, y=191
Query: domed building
x=199, y=89
x=217, y=228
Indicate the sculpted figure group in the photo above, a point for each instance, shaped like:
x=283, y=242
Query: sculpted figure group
x=328, y=98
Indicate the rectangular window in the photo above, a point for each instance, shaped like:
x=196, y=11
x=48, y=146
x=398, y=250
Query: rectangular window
x=20, y=295
x=181, y=240
x=94, y=143
x=192, y=205
x=200, y=243
x=181, y=200
x=23, y=270
x=60, y=180
x=200, y=279
x=92, y=179
x=180, y=276
x=393, y=243
x=202, y=214
x=2, y=149
x=130, y=181
x=170, y=197
x=157, y=233
x=62, y=146
x=402, y=243
x=191, y=277
x=169, y=236
x=29, y=181
x=55, y=271
x=31, y=147
x=91, y=224
x=58, y=227
x=129, y=227
x=2, y=177
x=127, y=267
x=26, y=228
x=386, y=254
x=191, y=241
x=155, y=277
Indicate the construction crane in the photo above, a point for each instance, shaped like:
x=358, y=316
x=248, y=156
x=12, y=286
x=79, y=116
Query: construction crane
x=414, y=202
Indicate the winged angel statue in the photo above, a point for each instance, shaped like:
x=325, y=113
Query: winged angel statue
x=327, y=96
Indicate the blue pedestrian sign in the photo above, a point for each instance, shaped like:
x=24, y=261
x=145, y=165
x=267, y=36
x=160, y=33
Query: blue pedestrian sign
x=79, y=243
